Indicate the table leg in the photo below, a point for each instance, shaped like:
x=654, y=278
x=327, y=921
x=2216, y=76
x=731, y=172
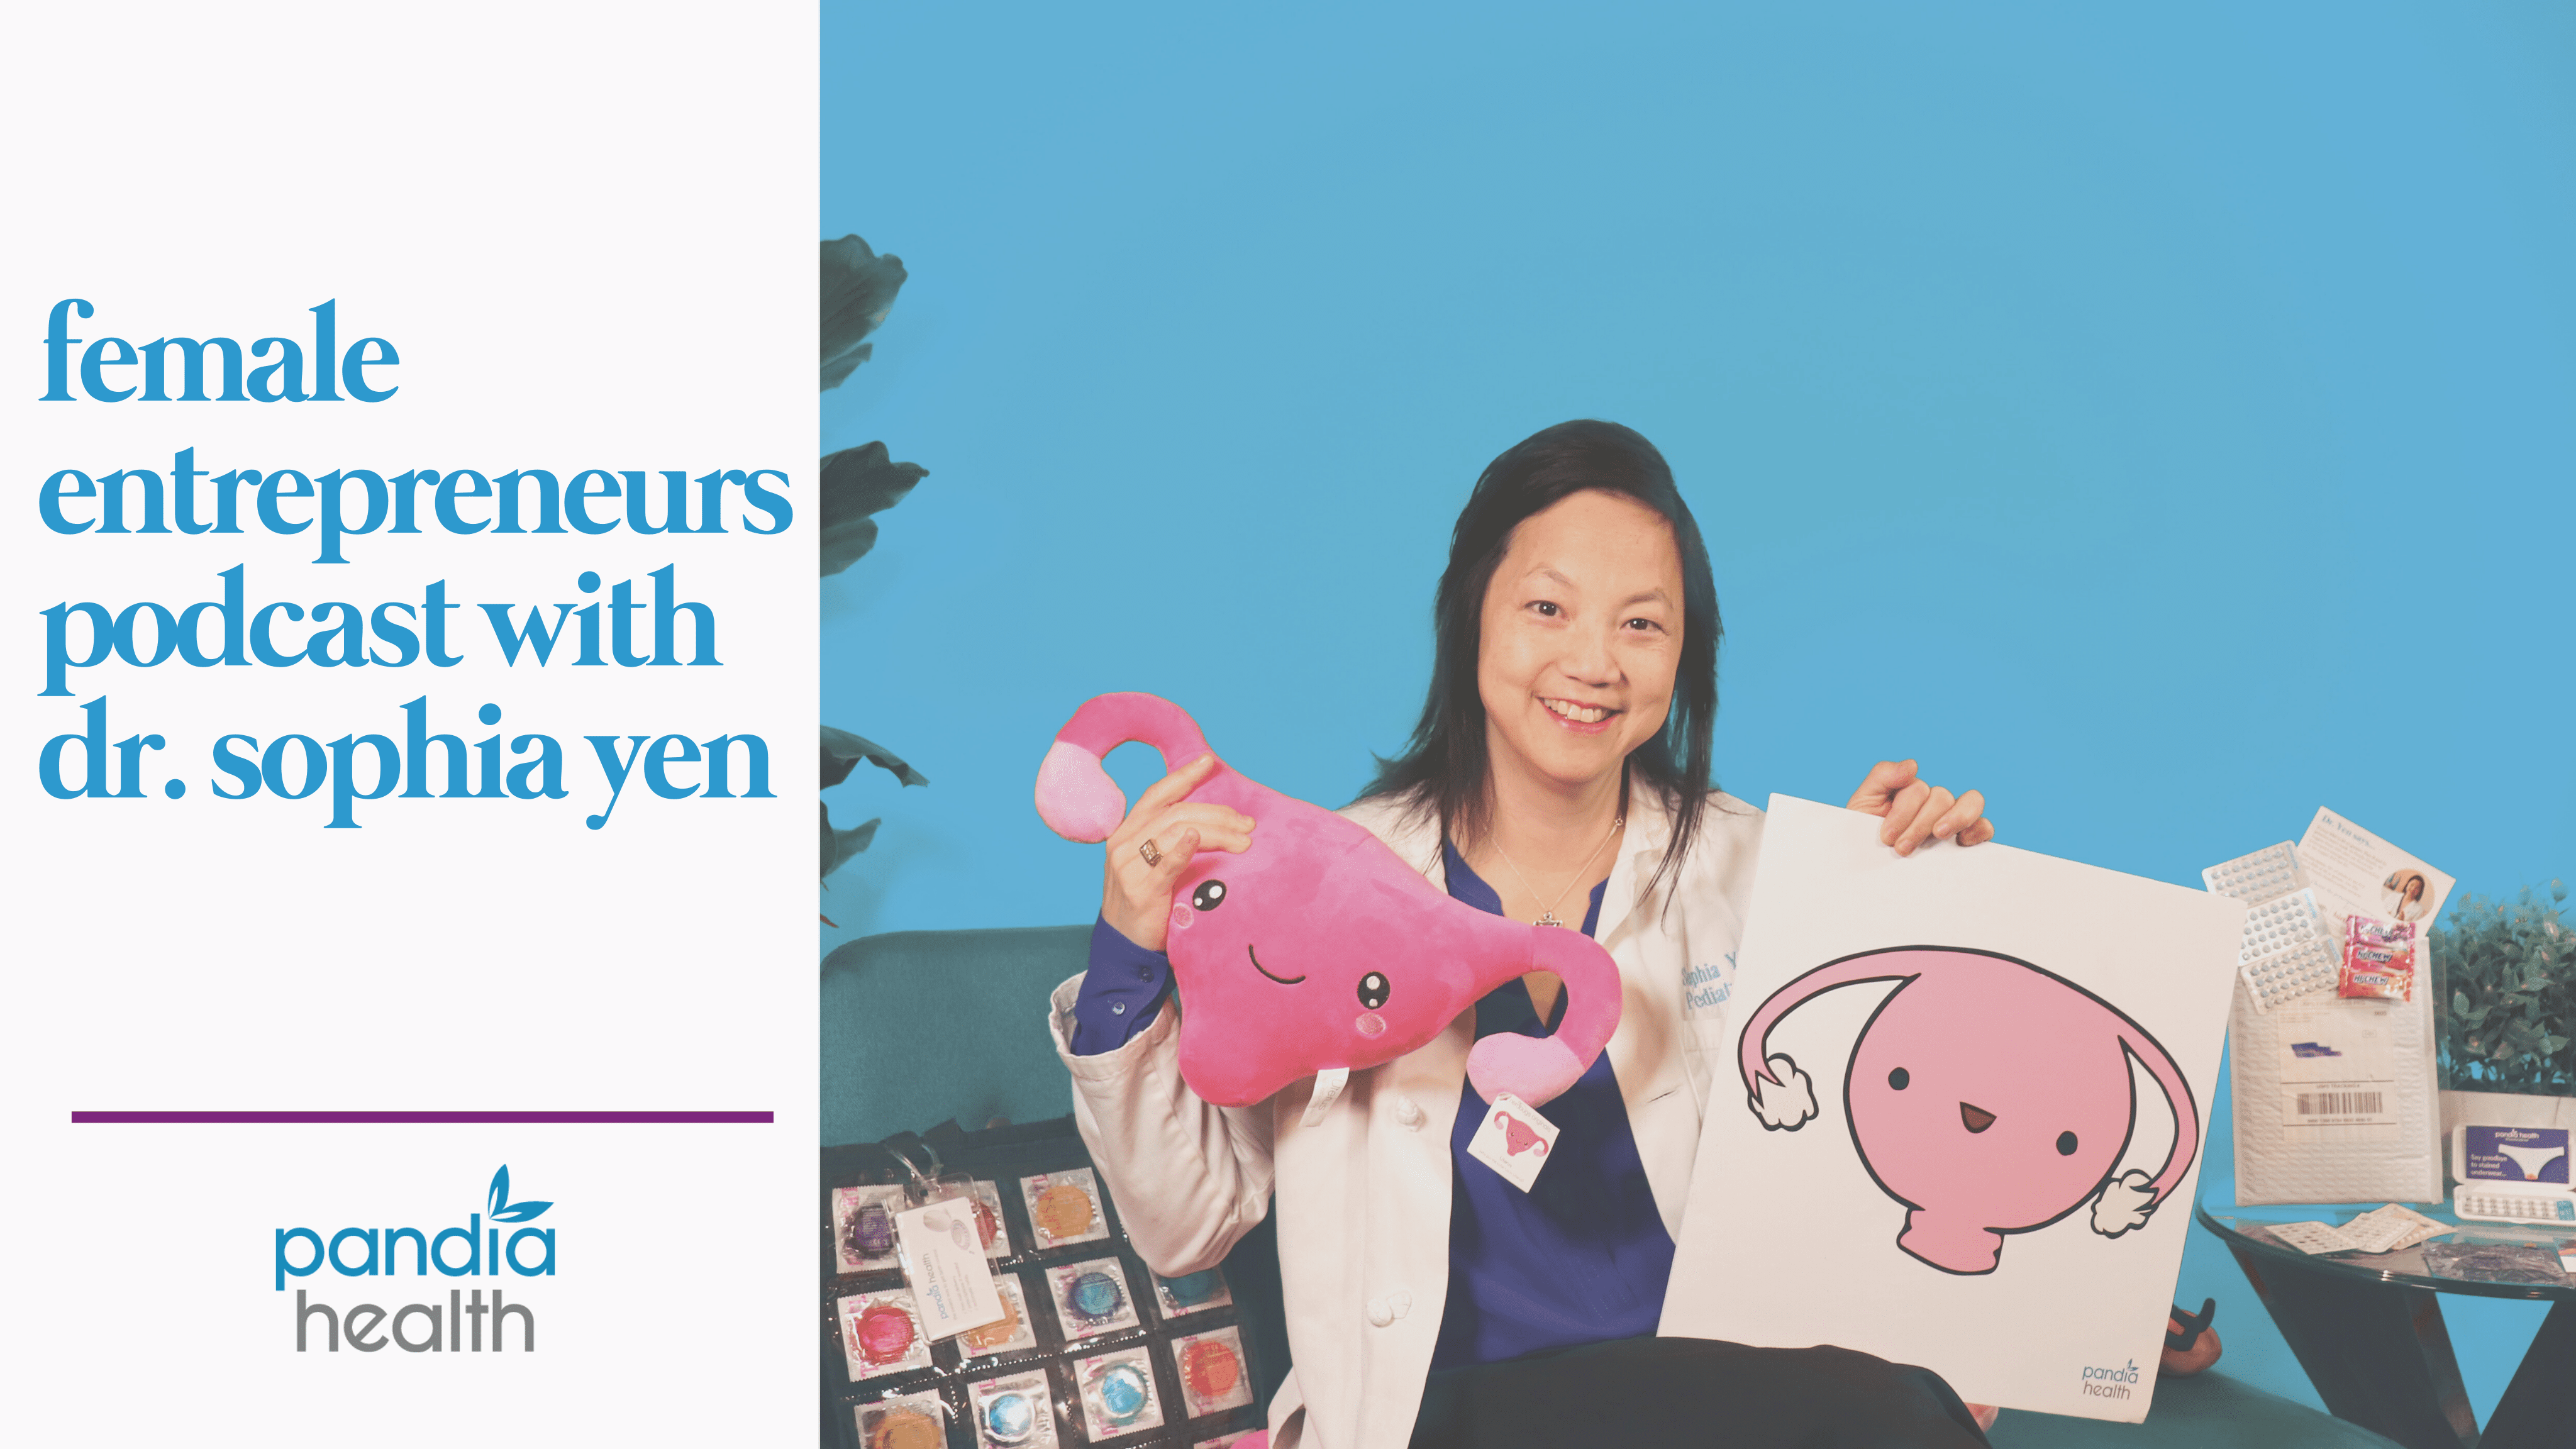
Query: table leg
x=2539, y=1406
x=2379, y=1354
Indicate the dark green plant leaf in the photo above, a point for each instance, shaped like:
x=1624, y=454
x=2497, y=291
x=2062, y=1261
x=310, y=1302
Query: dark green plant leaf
x=840, y=845
x=857, y=484
x=843, y=750
x=859, y=288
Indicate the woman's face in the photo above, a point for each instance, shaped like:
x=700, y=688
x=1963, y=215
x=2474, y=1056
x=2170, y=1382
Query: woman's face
x=1582, y=636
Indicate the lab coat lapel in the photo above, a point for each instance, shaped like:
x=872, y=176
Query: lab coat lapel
x=1644, y=1055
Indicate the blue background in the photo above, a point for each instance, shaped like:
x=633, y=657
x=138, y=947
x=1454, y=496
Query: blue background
x=2163, y=424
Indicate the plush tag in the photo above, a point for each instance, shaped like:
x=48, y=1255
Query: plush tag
x=1513, y=1140
x=943, y=1259
x=1328, y=1089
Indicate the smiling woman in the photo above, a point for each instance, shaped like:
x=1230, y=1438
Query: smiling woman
x=1578, y=630
x=1559, y=776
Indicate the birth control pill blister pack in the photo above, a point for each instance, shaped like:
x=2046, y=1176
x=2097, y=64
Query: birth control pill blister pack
x=2278, y=924
x=1093, y=1348
x=2513, y=1174
x=2504, y=1205
x=2285, y=953
x=2267, y=874
x=2308, y=969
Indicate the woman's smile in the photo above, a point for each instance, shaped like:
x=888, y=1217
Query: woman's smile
x=1588, y=719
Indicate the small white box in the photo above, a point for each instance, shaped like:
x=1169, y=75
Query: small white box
x=2513, y=1174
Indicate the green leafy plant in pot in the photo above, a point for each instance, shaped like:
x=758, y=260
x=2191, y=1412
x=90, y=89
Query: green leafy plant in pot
x=2509, y=981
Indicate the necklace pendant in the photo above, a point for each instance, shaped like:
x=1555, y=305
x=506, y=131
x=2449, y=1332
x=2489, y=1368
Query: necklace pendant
x=1548, y=918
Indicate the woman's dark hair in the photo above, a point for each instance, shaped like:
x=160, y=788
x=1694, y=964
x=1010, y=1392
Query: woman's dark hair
x=1444, y=765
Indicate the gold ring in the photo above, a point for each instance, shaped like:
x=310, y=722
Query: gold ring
x=1152, y=856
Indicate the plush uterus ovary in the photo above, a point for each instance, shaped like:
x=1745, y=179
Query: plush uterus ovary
x=2531, y=1159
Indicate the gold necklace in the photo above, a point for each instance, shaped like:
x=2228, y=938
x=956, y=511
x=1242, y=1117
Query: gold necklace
x=1547, y=917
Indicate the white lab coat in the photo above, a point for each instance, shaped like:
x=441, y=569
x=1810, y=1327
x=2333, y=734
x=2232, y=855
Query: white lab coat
x=1363, y=1195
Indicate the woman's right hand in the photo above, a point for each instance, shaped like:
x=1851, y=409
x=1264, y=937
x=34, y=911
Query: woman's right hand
x=1136, y=897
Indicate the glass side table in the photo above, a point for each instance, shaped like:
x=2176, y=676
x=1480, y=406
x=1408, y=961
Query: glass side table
x=2368, y=1328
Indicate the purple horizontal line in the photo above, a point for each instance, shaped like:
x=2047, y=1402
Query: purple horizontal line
x=411, y=1118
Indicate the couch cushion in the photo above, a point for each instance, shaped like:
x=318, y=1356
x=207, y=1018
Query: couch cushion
x=920, y=1026
x=2205, y=1411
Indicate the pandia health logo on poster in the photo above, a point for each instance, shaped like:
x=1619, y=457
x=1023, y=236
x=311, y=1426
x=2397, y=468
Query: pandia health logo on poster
x=468, y=1321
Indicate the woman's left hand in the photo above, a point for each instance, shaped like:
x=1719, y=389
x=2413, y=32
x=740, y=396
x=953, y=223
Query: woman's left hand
x=1916, y=812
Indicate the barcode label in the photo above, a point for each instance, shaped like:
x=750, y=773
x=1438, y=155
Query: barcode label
x=2337, y=1104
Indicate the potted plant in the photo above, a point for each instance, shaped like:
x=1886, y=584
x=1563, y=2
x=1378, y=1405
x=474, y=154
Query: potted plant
x=2505, y=978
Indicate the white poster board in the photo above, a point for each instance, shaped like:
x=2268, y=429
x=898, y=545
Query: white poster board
x=1994, y=1182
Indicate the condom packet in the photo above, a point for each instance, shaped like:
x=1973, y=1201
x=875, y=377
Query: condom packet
x=1225, y=1441
x=1016, y=1411
x=989, y=1226
x=1117, y=1391
x=1015, y=1332
x=1032, y=1337
x=881, y=1334
x=1091, y=1297
x=863, y=1226
x=1212, y=1371
x=1064, y=1207
x=904, y=1421
x=1191, y=1293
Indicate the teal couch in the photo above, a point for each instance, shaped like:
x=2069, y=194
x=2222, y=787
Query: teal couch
x=920, y=1027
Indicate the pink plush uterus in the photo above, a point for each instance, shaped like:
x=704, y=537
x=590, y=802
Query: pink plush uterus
x=1318, y=947
x=1986, y=1095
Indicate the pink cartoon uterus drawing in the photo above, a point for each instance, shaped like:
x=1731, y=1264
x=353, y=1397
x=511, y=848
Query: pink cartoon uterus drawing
x=1986, y=1095
x=1318, y=947
x=1519, y=1136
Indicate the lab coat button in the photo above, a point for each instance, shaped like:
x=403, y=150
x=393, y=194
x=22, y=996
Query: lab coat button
x=1409, y=1112
x=1380, y=1314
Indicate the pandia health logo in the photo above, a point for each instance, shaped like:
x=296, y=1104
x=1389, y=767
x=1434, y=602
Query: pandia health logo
x=476, y=1249
x=2111, y=1383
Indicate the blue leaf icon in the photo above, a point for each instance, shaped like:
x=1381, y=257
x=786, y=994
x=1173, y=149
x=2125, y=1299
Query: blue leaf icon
x=502, y=1210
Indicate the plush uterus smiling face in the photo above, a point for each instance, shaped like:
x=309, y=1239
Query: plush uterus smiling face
x=1580, y=637
x=1317, y=948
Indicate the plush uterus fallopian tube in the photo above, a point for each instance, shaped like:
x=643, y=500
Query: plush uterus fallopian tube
x=1318, y=949
x=2531, y=1159
x=1986, y=1095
